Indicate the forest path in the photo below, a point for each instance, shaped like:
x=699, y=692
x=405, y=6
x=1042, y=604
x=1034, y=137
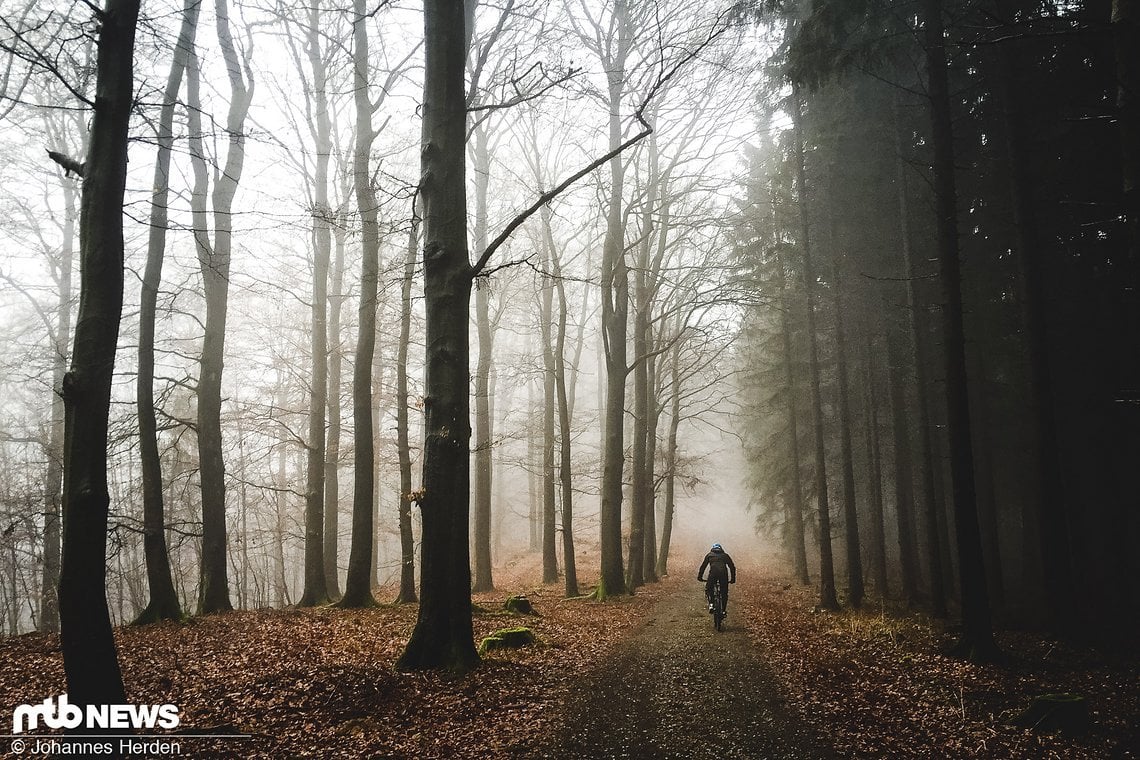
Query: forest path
x=676, y=688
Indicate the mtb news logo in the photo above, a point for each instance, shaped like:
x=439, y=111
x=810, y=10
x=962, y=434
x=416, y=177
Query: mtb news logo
x=59, y=713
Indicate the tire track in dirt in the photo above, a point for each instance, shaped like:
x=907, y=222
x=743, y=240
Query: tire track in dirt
x=679, y=689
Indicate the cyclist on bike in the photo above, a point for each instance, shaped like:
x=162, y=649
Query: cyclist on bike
x=719, y=565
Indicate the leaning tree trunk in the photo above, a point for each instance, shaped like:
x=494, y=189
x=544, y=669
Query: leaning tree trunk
x=357, y=586
x=976, y=640
x=827, y=598
x=163, y=604
x=443, y=636
x=90, y=663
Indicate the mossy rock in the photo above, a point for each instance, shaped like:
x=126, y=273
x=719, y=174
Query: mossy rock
x=519, y=605
x=1068, y=713
x=507, y=638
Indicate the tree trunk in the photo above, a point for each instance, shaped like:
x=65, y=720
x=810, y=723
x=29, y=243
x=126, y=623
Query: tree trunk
x=654, y=412
x=827, y=598
x=443, y=636
x=795, y=508
x=53, y=478
x=976, y=640
x=903, y=475
x=615, y=320
x=331, y=528
x=318, y=565
x=407, y=540
x=90, y=662
x=163, y=603
x=925, y=450
x=357, y=585
x=566, y=475
x=213, y=593
x=850, y=512
x=549, y=404
x=671, y=461
x=875, y=465
x=483, y=461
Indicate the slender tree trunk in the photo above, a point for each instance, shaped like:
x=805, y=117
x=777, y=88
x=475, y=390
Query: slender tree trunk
x=850, y=511
x=903, y=474
x=795, y=513
x=53, y=480
x=443, y=636
x=827, y=598
x=331, y=528
x=407, y=540
x=90, y=662
x=654, y=412
x=875, y=464
x=213, y=594
x=925, y=449
x=566, y=475
x=671, y=462
x=549, y=527
x=639, y=491
x=163, y=603
x=977, y=635
x=615, y=320
x=281, y=585
x=357, y=586
x=483, y=459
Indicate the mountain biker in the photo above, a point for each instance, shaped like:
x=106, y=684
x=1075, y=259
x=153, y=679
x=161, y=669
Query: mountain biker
x=719, y=564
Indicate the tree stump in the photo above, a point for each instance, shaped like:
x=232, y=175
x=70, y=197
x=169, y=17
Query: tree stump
x=507, y=638
x=520, y=605
x=1068, y=713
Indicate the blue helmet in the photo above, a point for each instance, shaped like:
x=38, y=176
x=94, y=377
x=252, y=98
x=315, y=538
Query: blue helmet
x=716, y=548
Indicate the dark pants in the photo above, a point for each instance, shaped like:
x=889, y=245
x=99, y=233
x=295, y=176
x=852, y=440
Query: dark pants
x=711, y=584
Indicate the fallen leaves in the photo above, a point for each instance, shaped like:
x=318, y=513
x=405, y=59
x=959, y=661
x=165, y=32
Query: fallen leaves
x=879, y=686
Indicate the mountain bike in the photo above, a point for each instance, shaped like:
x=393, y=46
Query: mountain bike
x=717, y=602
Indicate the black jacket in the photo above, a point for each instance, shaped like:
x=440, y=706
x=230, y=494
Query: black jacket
x=718, y=564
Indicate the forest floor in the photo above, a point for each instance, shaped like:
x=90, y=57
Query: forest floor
x=642, y=676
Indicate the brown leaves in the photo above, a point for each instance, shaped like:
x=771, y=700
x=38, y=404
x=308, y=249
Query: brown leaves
x=880, y=687
x=321, y=682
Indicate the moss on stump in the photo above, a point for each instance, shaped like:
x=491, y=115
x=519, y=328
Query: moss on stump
x=519, y=605
x=1068, y=713
x=507, y=638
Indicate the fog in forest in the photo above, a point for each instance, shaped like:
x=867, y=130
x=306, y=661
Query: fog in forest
x=788, y=277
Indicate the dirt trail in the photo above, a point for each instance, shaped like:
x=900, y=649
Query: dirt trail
x=678, y=689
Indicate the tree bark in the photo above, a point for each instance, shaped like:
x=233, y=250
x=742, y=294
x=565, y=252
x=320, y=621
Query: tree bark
x=357, y=586
x=407, y=540
x=827, y=598
x=90, y=662
x=549, y=404
x=443, y=636
x=213, y=593
x=566, y=475
x=615, y=320
x=903, y=474
x=976, y=641
x=163, y=603
x=917, y=344
x=483, y=455
x=671, y=462
x=875, y=465
x=850, y=511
